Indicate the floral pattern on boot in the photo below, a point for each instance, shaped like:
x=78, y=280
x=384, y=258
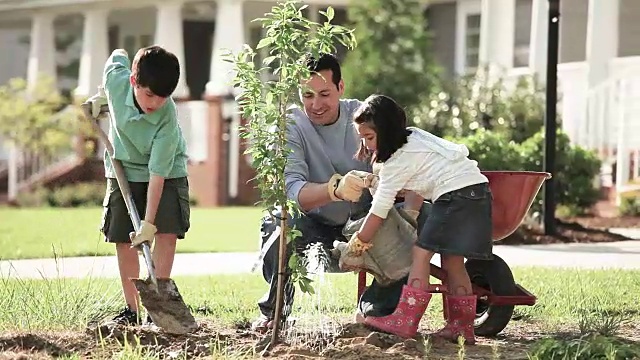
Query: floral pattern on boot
x=405, y=319
x=461, y=314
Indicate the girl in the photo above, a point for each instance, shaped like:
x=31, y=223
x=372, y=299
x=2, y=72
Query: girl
x=459, y=225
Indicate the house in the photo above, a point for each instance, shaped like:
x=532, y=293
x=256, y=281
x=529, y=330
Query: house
x=598, y=72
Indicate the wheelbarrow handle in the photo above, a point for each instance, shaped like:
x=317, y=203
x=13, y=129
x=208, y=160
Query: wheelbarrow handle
x=122, y=182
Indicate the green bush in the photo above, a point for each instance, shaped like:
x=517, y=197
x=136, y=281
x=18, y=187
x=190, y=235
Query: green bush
x=588, y=347
x=83, y=194
x=576, y=168
x=492, y=150
x=629, y=205
x=78, y=195
x=474, y=102
x=74, y=195
x=36, y=198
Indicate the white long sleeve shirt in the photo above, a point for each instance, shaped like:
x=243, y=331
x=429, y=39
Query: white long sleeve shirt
x=428, y=165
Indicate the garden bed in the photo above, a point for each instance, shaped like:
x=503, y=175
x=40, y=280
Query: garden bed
x=573, y=230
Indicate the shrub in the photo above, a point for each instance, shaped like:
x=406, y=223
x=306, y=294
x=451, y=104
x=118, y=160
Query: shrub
x=78, y=195
x=36, y=198
x=629, y=205
x=474, y=102
x=576, y=168
x=591, y=346
x=492, y=150
x=74, y=195
x=82, y=194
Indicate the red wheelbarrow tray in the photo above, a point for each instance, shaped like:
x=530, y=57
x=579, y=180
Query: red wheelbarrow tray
x=513, y=193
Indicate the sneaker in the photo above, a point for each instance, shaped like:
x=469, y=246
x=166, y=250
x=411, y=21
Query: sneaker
x=127, y=317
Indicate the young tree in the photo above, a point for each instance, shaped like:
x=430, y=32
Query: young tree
x=394, y=55
x=290, y=38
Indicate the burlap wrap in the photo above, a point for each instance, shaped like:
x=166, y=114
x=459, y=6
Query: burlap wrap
x=390, y=257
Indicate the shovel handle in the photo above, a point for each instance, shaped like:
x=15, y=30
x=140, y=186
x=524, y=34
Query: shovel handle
x=122, y=182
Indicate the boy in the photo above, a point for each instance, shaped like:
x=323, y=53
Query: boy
x=147, y=139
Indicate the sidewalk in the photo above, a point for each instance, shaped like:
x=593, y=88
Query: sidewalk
x=617, y=255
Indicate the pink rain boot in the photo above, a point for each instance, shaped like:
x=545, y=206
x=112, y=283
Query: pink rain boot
x=405, y=319
x=461, y=311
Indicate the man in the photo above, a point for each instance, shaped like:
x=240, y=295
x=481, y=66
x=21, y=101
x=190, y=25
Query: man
x=323, y=177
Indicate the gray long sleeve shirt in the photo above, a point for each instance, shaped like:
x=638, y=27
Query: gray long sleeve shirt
x=318, y=152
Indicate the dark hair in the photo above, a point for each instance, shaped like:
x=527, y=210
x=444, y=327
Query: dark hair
x=384, y=116
x=157, y=69
x=326, y=61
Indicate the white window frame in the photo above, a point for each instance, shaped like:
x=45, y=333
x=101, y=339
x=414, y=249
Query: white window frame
x=464, y=9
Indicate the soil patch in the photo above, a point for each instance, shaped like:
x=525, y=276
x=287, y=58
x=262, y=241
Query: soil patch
x=574, y=231
x=606, y=222
x=352, y=342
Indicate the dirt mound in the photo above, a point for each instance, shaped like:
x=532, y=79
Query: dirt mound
x=204, y=341
x=43, y=346
x=357, y=342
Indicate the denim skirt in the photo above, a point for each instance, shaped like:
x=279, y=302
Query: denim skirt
x=460, y=224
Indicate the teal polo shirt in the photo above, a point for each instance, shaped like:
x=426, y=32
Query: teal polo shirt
x=144, y=143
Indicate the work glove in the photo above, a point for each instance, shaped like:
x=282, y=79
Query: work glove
x=350, y=254
x=97, y=101
x=146, y=233
x=346, y=262
x=349, y=187
x=376, y=178
x=356, y=247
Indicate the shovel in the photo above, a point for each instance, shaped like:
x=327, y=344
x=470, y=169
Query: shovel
x=160, y=297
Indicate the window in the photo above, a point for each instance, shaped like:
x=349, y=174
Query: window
x=472, y=42
x=468, y=20
x=522, y=36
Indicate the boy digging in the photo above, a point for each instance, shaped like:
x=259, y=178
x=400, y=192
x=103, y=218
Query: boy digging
x=148, y=141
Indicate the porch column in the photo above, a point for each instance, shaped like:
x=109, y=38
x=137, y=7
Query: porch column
x=497, y=31
x=169, y=35
x=42, y=53
x=602, y=38
x=94, y=53
x=538, y=38
x=229, y=35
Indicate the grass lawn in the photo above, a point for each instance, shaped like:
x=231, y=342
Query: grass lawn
x=38, y=232
x=569, y=303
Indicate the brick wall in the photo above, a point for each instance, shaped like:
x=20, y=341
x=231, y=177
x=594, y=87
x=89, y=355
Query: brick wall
x=209, y=179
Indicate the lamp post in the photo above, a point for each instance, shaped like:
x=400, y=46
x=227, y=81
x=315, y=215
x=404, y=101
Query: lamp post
x=550, y=116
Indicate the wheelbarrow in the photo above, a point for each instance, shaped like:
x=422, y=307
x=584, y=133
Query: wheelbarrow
x=492, y=280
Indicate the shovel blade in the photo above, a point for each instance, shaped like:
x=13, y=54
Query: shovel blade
x=166, y=306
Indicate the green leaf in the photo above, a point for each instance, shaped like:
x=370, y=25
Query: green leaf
x=330, y=14
x=264, y=42
x=293, y=262
x=268, y=60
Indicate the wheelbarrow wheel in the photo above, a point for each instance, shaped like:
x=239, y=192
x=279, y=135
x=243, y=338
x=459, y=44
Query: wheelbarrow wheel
x=495, y=276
